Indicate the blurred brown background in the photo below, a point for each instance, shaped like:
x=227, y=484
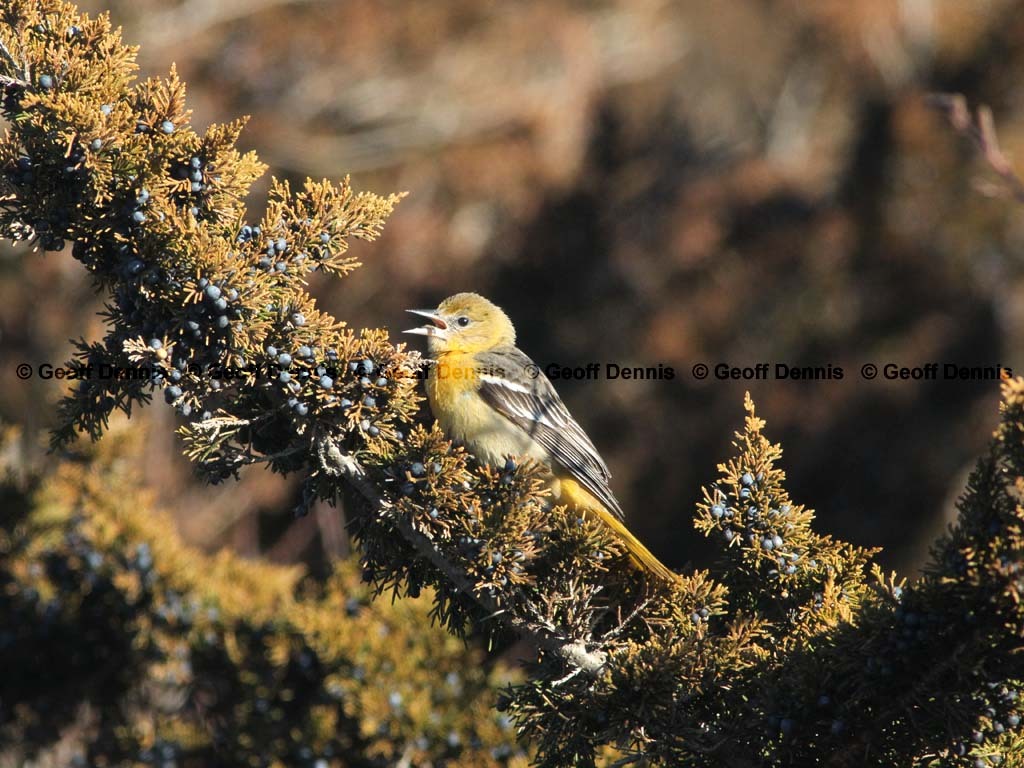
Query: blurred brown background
x=635, y=182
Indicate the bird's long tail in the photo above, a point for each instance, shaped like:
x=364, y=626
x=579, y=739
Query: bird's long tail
x=572, y=492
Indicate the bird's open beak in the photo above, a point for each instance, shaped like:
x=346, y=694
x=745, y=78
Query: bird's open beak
x=437, y=326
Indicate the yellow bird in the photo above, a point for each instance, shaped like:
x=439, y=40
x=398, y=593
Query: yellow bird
x=489, y=396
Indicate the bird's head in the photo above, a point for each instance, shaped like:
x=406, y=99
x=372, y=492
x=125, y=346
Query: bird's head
x=466, y=323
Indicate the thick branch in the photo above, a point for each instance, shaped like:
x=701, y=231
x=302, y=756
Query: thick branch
x=573, y=651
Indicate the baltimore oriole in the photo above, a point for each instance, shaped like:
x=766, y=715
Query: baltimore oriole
x=489, y=396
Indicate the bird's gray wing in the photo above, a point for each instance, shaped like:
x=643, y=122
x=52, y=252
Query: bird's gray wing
x=514, y=386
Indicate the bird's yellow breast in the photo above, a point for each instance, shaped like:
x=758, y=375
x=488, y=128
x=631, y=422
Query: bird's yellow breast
x=453, y=392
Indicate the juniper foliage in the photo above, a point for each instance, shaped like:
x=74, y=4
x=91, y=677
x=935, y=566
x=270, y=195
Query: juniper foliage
x=156, y=654
x=793, y=650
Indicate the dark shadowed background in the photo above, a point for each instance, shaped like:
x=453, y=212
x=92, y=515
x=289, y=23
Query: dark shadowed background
x=638, y=183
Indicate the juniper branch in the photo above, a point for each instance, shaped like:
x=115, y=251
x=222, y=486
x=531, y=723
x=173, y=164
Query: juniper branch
x=574, y=651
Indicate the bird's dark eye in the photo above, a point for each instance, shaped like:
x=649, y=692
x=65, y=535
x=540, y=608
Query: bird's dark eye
x=463, y=321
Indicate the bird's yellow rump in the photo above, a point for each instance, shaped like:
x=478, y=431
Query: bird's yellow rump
x=489, y=396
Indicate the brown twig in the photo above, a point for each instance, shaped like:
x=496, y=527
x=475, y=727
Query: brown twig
x=981, y=130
